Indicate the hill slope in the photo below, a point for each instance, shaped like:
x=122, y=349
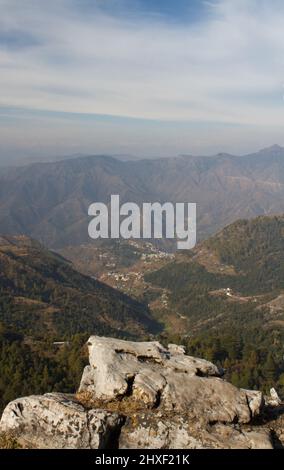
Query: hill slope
x=41, y=294
x=238, y=270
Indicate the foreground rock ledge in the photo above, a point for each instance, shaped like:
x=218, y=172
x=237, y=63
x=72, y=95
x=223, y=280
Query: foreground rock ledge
x=58, y=421
x=141, y=395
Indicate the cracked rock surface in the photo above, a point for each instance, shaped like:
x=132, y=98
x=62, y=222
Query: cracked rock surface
x=142, y=395
x=165, y=378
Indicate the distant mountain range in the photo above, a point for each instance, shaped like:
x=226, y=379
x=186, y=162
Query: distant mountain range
x=49, y=201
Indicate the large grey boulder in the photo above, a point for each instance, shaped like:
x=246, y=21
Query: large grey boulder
x=165, y=378
x=58, y=421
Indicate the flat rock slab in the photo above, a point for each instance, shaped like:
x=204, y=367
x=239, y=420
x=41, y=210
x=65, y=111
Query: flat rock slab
x=176, y=432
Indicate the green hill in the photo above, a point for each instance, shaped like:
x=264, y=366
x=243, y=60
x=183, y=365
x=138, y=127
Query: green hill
x=41, y=295
x=242, y=264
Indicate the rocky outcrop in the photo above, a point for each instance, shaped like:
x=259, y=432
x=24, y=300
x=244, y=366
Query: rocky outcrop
x=165, y=378
x=141, y=395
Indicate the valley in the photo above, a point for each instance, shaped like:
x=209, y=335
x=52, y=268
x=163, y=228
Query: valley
x=223, y=300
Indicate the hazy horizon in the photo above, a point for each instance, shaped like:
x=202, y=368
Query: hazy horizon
x=23, y=161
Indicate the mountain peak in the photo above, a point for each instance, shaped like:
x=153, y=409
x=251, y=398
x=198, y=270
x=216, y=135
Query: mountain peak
x=273, y=148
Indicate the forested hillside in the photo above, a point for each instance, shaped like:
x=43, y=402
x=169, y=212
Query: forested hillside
x=41, y=294
x=31, y=367
x=229, y=291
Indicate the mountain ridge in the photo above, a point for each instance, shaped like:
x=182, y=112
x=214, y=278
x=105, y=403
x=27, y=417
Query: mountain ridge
x=49, y=201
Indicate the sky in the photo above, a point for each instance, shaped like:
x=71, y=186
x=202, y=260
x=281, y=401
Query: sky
x=140, y=77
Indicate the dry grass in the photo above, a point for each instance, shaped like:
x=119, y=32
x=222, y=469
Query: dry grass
x=126, y=405
x=8, y=441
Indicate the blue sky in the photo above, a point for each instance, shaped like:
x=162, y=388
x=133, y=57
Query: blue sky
x=143, y=77
x=179, y=10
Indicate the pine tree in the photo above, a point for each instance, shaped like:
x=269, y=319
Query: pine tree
x=270, y=370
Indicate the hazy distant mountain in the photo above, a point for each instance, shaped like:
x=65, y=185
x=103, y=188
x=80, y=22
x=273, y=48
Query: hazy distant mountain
x=49, y=201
